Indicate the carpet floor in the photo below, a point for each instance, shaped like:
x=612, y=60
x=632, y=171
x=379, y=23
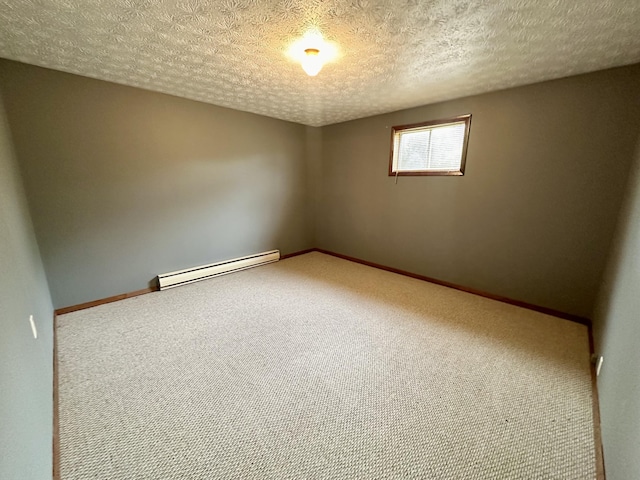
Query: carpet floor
x=319, y=368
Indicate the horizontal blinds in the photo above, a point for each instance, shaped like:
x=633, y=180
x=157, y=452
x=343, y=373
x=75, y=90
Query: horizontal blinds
x=436, y=148
x=414, y=150
x=446, y=147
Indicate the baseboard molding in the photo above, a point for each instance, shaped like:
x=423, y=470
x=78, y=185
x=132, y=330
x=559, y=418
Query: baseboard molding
x=95, y=303
x=295, y=254
x=597, y=429
x=499, y=298
x=56, y=417
x=600, y=469
x=122, y=296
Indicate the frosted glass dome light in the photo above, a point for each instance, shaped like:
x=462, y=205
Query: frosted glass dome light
x=312, y=63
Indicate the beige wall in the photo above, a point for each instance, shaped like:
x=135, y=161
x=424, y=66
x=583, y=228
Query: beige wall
x=25, y=363
x=124, y=184
x=533, y=216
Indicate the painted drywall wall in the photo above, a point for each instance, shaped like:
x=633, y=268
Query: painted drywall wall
x=533, y=216
x=25, y=362
x=616, y=335
x=124, y=184
x=313, y=144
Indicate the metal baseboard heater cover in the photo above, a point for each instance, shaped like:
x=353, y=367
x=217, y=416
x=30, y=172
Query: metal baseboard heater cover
x=195, y=274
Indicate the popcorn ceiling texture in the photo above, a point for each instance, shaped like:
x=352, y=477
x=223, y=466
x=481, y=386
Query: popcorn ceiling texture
x=316, y=367
x=394, y=54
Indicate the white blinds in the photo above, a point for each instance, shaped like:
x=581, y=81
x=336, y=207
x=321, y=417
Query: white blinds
x=437, y=148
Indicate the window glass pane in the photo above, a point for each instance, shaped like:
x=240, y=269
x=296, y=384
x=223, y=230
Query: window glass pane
x=414, y=150
x=431, y=148
x=446, y=147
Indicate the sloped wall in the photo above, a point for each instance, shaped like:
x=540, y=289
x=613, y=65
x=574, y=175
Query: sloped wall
x=25, y=363
x=617, y=333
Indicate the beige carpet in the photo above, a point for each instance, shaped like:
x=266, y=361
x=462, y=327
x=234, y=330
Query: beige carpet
x=319, y=368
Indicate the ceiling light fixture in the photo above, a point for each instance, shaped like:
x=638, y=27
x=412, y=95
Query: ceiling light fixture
x=312, y=63
x=312, y=51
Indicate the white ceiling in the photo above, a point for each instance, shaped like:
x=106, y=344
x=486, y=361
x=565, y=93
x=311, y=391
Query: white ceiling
x=394, y=54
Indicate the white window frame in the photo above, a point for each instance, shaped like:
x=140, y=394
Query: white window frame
x=397, y=131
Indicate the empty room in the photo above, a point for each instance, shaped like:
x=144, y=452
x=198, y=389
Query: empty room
x=351, y=239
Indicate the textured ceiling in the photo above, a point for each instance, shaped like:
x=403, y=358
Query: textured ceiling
x=393, y=54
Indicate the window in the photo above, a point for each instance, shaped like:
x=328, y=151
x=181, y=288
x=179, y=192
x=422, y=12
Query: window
x=430, y=148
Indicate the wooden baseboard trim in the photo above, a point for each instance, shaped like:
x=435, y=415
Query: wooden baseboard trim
x=597, y=429
x=600, y=470
x=499, y=298
x=295, y=254
x=115, y=298
x=95, y=303
x=56, y=417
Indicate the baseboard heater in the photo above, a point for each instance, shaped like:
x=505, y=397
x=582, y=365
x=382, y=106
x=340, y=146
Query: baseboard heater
x=190, y=275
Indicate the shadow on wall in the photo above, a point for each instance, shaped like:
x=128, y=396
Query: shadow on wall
x=617, y=332
x=192, y=212
x=533, y=216
x=124, y=184
x=183, y=214
x=25, y=362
